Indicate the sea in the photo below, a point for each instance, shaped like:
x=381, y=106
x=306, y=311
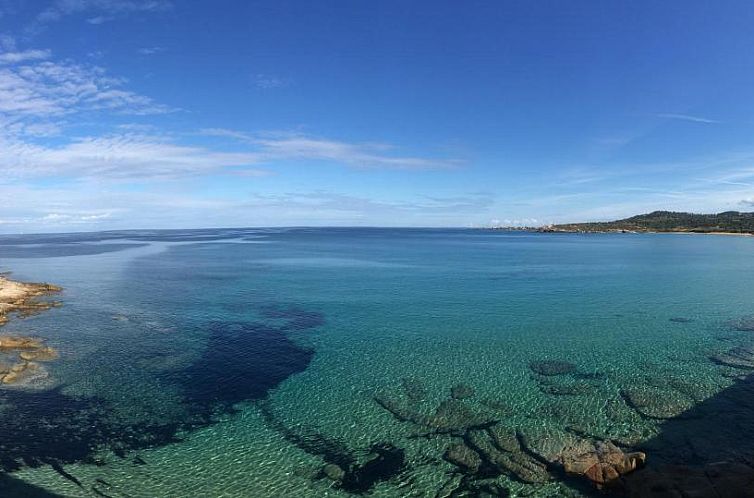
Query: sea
x=333, y=362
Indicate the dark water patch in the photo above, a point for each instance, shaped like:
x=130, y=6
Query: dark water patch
x=242, y=361
x=681, y=319
x=51, y=428
x=61, y=250
x=13, y=487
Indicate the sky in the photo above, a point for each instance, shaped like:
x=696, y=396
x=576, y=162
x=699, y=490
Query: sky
x=120, y=114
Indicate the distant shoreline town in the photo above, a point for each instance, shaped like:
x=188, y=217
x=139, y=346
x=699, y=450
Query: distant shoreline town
x=726, y=223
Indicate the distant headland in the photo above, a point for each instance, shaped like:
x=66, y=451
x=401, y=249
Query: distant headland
x=728, y=222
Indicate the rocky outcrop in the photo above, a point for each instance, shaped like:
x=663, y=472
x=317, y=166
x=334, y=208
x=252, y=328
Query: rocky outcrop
x=19, y=354
x=22, y=297
x=603, y=465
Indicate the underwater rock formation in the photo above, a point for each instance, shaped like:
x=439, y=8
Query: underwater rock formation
x=743, y=324
x=657, y=403
x=738, y=357
x=28, y=351
x=552, y=367
x=461, y=391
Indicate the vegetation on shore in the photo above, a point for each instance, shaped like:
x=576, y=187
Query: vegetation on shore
x=668, y=221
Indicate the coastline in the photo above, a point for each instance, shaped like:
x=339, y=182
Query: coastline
x=20, y=355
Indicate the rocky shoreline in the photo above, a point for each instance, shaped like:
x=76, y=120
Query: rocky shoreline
x=20, y=356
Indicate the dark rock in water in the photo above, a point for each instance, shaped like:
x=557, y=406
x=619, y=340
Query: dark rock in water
x=461, y=391
x=657, y=403
x=400, y=410
x=504, y=438
x=333, y=472
x=552, y=367
x=387, y=462
x=680, y=319
x=743, y=324
x=738, y=357
x=455, y=416
x=515, y=464
x=498, y=406
x=414, y=389
x=464, y=457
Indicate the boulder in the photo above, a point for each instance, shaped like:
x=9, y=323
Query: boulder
x=603, y=465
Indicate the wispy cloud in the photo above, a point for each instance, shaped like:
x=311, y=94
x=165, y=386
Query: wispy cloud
x=119, y=157
x=99, y=11
x=151, y=50
x=358, y=155
x=686, y=117
x=23, y=56
x=268, y=81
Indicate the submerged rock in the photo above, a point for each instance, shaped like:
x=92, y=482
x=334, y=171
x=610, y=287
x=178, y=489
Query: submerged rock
x=552, y=367
x=42, y=354
x=738, y=357
x=333, y=472
x=464, y=457
x=657, y=403
x=461, y=391
x=743, y=324
x=16, y=342
x=414, y=389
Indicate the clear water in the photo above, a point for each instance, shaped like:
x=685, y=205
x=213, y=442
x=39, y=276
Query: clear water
x=241, y=362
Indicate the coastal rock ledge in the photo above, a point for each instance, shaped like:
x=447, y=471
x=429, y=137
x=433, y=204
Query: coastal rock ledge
x=19, y=356
x=21, y=297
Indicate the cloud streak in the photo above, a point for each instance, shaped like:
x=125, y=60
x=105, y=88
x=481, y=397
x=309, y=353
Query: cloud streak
x=357, y=155
x=687, y=117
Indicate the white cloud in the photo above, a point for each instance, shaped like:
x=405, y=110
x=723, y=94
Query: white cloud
x=26, y=55
x=116, y=157
x=686, y=117
x=55, y=88
x=359, y=155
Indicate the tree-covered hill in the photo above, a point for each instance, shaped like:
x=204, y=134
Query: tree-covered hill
x=668, y=221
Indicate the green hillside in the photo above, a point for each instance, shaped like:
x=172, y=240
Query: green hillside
x=668, y=221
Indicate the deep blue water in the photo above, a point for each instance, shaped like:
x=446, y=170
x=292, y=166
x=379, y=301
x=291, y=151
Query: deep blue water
x=242, y=362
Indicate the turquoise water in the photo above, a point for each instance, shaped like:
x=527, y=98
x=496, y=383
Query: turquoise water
x=243, y=362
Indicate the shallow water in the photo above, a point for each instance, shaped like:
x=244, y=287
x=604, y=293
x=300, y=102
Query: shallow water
x=242, y=362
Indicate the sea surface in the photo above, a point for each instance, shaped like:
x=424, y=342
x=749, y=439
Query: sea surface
x=339, y=362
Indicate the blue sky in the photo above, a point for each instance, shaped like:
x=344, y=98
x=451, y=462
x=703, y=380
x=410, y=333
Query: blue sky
x=157, y=113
